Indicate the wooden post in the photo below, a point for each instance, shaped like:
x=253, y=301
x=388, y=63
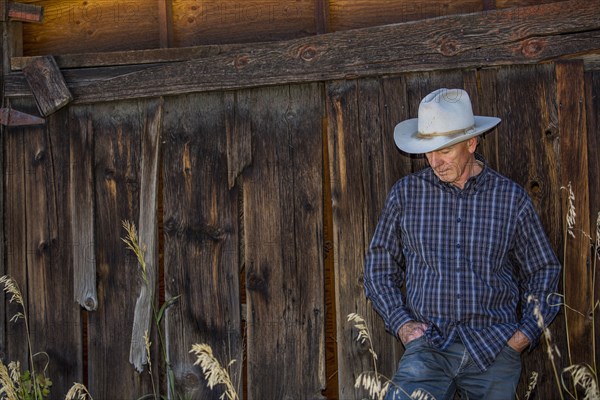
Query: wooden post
x=165, y=22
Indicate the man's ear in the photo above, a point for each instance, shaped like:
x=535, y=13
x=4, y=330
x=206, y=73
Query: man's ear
x=472, y=144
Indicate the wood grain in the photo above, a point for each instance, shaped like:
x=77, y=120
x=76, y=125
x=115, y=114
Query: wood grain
x=525, y=35
x=117, y=129
x=283, y=243
x=81, y=197
x=577, y=277
x=201, y=250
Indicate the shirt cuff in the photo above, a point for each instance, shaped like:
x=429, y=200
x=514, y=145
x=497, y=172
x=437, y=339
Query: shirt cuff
x=530, y=328
x=397, y=319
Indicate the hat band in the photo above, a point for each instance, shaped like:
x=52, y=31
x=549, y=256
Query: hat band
x=455, y=132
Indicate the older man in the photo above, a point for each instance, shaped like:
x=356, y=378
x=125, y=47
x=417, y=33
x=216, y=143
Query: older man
x=468, y=247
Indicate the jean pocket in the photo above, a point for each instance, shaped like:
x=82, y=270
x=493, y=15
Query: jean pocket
x=511, y=353
x=415, y=342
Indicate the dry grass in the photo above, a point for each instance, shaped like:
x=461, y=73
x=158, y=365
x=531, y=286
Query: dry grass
x=78, y=392
x=8, y=390
x=374, y=383
x=213, y=372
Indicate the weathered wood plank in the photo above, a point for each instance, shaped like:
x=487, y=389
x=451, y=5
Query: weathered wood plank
x=239, y=139
x=526, y=150
x=42, y=251
x=283, y=241
x=132, y=57
x=3, y=68
x=514, y=36
x=322, y=16
x=15, y=232
x=47, y=84
x=201, y=252
x=103, y=25
x=3, y=10
x=592, y=83
x=363, y=165
x=145, y=306
x=165, y=23
x=525, y=35
x=577, y=277
x=81, y=196
x=353, y=14
x=117, y=130
x=234, y=21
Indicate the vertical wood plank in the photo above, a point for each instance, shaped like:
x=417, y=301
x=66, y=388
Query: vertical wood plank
x=117, y=129
x=527, y=150
x=201, y=240
x=15, y=234
x=3, y=63
x=322, y=16
x=42, y=253
x=81, y=196
x=364, y=164
x=283, y=240
x=165, y=23
x=145, y=306
x=592, y=92
x=577, y=277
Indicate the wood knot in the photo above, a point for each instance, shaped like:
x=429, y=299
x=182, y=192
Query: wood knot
x=39, y=156
x=309, y=52
x=240, y=62
x=90, y=304
x=532, y=47
x=449, y=48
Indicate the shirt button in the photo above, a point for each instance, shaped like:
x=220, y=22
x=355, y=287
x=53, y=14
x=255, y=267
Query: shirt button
x=459, y=219
x=458, y=245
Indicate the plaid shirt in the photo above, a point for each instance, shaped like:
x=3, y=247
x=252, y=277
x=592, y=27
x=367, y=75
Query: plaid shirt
x=467, y=258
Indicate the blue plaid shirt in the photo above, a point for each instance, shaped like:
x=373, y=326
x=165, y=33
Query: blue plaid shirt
x=467, y=258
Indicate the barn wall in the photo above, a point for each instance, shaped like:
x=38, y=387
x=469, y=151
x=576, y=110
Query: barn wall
x=244, y=192
x=74, y=26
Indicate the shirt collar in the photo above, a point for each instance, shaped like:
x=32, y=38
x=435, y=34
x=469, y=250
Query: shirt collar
x=474, y=184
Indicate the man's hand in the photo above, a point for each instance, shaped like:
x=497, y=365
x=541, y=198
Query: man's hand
x=411, y=330
x=518, y=341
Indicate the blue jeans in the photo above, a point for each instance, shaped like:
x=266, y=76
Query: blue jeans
x=424, y=370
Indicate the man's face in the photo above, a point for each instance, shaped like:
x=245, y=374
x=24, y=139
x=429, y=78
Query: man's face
x=451, y=164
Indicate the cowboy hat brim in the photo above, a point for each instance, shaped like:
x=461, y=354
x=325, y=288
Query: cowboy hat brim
x=406, y=139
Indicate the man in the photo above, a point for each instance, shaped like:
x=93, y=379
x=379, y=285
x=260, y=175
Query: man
x=469, y=249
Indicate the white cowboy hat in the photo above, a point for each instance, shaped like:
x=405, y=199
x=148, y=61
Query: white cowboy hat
x=445, y=118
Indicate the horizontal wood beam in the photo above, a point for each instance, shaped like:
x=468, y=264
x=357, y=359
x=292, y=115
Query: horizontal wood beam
x=522, y=35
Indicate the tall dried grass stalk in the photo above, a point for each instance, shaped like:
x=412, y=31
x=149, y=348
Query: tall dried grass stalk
x=533, y=380
x=551, y=348
x=584, y=377
x=131, y=240
x=78, y=392
x=213, y=372
x=147, y=345
x=11, y=287
x=569, y=226
x=373, y=382
x=8, y=390
x=571, y=212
